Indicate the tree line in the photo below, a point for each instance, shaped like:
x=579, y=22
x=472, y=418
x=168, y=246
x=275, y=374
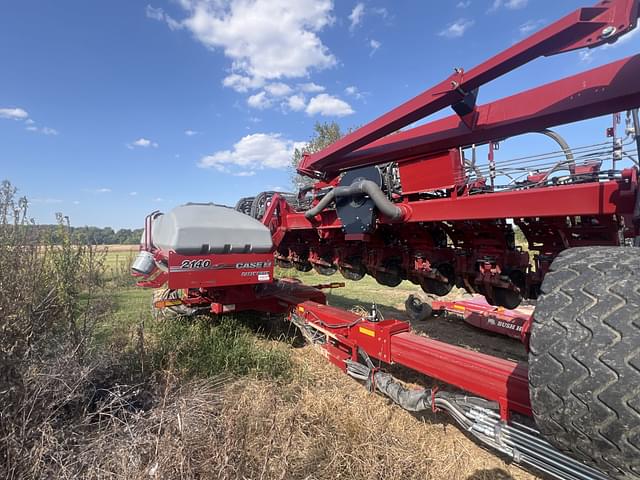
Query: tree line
x=91, y=235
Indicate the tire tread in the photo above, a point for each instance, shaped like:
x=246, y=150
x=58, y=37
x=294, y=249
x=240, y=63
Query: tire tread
x=584, y=361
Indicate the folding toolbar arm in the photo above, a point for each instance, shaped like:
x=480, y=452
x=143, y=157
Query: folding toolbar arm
x=584, y=28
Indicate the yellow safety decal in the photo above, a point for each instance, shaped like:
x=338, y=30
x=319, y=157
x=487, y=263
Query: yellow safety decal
x=366, y=331
x=301, y=309
x=459, y=307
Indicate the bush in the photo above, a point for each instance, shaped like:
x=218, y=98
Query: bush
x=49, y=302
x=66, y=401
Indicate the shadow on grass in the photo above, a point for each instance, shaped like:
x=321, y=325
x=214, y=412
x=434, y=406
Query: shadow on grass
x=493, y=474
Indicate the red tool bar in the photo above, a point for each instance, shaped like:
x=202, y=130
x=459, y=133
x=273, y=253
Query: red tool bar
x=489, y=377
x=601, y=91
x=597, y=198
x=583, y=199
x=585, y=27
x=390, y=341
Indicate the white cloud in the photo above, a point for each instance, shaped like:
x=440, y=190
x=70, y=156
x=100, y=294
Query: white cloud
x=328, y=106
x=98, y=190
x=356, y=16
x=375, y=45
x=508, y=4
x=586, y=56
x=190, y=133
x=242, y=83
x=278, y=89
x=13, y=113
x=383, y=12
x=464, y=4
x=44, y=130
x=457, y=29
x=353, y=91
x=297, y=103
x=530, y=25
x=311, y=87
x=259, y=101
x=160, y=15
x=143, y=143
x=48, y=201
x=249, y=173
x=265, y=39
x=157, y=199
x=76, y=202
x=133, y=194
x=253, y=152
x=49, y=131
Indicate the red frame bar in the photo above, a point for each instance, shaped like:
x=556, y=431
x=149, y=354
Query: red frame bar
x=597, y=198
x=390, y=341
x=492, y=378
x=601, y=91
x=583, y=199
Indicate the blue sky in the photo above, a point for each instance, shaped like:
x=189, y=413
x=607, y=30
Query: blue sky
x=109, y=110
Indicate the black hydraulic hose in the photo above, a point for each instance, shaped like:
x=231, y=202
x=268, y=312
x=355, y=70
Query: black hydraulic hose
x=362, y=187
x=411, y=400
x=563, y=145
x=322, y=204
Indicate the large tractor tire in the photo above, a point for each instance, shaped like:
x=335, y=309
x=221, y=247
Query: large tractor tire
x=584, y=363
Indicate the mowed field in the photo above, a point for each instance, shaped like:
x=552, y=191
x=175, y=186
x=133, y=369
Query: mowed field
x=316, y=422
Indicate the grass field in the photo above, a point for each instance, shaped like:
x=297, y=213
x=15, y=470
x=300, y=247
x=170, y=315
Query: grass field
x=309, y=420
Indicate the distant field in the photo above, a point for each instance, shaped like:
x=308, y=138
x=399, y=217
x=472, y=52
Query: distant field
x=119, y=248
x=118, y=257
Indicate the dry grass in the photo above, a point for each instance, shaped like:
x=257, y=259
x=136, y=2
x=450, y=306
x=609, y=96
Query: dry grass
x=320, y=426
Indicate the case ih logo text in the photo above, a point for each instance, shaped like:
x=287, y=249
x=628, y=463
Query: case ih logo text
x=252, y=265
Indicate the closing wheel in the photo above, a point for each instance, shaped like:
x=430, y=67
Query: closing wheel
x=303, y=266
x=284, y=263
x=325, y=270
x=584, y=363
x=390, y=275
x=354, y=270
x=435, y=287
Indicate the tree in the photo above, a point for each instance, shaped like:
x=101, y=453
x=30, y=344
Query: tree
x=324, y=135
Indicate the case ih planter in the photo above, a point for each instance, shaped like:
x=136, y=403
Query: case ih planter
x=420, y=206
